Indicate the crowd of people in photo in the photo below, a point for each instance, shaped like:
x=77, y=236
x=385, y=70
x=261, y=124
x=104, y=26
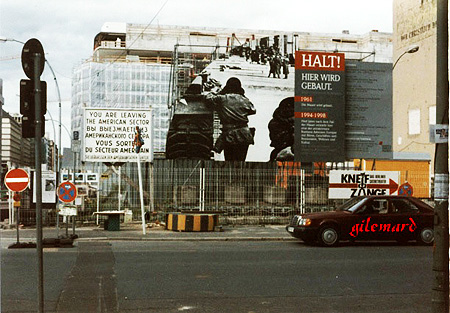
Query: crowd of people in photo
x=278, y=63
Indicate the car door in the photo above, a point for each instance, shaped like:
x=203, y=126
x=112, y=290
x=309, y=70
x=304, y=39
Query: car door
x=405, y=219
x=375, y=212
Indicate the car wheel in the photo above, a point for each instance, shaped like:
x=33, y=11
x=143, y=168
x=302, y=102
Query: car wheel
x=328, y=236
x=426, y=236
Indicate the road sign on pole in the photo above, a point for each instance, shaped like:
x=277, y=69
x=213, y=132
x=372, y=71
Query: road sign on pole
x=67, y=192
x=32, y=47
x=405, y=189
x=17, y=180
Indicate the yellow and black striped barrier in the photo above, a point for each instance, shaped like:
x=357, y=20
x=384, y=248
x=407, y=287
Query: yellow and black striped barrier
x=191, y=221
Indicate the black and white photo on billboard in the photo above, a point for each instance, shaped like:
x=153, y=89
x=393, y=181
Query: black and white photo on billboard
x=226, y=111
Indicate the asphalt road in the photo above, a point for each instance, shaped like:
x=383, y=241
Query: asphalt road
x=265, y=276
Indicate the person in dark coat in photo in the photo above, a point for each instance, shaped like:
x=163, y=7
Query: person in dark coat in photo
x=285, y=63
x=277, y=65
x=233, y=108
x=271, y=67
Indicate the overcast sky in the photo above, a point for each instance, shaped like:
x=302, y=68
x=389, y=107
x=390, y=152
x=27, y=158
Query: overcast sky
x=67, y=29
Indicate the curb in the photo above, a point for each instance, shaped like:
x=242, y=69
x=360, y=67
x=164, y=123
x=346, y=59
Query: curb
x=189, y=239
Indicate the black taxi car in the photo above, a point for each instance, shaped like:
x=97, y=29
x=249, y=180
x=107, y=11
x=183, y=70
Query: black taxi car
x=367, y=218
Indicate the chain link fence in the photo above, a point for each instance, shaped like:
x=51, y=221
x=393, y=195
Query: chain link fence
x=240, y=192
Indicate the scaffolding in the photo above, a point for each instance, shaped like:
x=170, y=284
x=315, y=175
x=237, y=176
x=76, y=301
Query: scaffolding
x=187, y=64
x=120, y=84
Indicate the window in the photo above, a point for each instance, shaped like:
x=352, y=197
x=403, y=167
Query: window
x=414, y=122
x=381, y=206
x=401, y=206
x=432, y=115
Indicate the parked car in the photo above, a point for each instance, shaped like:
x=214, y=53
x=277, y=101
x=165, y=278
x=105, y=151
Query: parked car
x=367, y=218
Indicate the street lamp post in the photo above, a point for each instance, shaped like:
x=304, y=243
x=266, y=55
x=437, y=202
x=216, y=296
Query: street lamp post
x=4, y=39
x=412, y=49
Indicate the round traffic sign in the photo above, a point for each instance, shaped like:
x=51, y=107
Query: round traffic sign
x=405, y=190
x=67, y=192
x=17, y=180
x=32, y=47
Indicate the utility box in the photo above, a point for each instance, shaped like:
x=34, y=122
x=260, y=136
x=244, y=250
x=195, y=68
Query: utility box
x=112, y=223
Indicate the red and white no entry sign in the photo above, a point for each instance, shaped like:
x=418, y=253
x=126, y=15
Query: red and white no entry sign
x=17, y=180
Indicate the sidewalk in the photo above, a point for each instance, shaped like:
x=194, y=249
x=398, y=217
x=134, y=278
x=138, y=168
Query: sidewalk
x=133, y=231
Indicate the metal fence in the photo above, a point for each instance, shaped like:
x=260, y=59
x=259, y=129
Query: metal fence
x=240, y=192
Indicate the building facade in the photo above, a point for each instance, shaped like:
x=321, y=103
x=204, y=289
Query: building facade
x=20, y=152
x=414, y=76
x=16, y=151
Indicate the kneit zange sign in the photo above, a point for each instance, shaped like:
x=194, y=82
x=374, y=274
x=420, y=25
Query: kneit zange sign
x=349, y=184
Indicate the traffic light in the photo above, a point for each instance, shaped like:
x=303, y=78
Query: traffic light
x=27, y=107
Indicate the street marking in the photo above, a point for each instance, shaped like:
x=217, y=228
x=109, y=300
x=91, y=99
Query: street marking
x=50, y=249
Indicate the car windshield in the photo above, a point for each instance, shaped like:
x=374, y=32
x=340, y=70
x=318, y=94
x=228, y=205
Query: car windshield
x=352, y=204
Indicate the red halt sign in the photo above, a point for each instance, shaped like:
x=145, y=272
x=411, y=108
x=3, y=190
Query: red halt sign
x=67, y=192
x=17, y=180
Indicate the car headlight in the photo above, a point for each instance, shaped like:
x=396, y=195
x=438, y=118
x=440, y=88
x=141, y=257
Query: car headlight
x=304, y=221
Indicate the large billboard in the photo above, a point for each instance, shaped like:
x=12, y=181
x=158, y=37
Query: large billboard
x=109, y=133
x=330, y=110
x=319, y=107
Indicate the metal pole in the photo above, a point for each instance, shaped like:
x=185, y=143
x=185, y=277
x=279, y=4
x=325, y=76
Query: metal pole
x=440, y=291
x=141, y=192
x=17, y=224
x=73, y=223
x=98, y=192
x=74, y=165
x=200, y=190
x=58, y=158
x=10, y=207
x=67, y=225
x=118, y=194
x=152, y=199
x=38, y=169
